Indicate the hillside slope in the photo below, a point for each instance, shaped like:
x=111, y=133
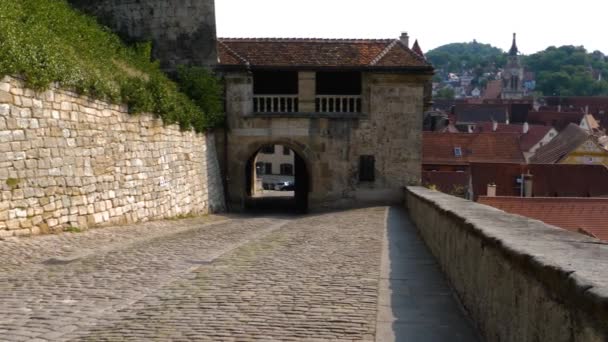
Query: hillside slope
x=47, y=41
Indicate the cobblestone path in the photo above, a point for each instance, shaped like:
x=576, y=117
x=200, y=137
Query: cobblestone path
x=265, y=279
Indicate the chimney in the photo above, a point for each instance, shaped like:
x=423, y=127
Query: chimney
x=559, y=108
x=528, y=185
x=587, y=109
x=491, y=192
x=494, y=126
x=405, y=39
x=526, y=128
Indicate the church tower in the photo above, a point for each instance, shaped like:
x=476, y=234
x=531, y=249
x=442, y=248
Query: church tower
x=513, y=75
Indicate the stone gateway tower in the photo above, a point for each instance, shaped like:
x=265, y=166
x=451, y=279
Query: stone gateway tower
x=181, y=31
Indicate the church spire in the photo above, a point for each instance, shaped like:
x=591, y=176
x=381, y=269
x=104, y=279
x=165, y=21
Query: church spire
x=514, y=50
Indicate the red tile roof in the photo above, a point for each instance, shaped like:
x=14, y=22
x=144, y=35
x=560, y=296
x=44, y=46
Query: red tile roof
x=559, y=120
x=582, y=215
x=548, y=179
x=438, y=148
x=493, y=90
x=319, y=53
x=535, y=132
x=416, y=48
x=473, y=113
x=564, y=143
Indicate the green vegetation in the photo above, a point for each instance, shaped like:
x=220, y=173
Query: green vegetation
x=72, y=230
x=13, y=183
x=47, y=41
x=474, y=56
x=445, y=94
x=184, y=216
x=569, y=71
x=564, y=71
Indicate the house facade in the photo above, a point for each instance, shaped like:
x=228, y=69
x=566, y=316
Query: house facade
x=574, y=145
x=351, y=110
x=274, y=164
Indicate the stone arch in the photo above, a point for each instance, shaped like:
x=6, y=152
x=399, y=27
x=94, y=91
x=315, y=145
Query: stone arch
x=242, y=162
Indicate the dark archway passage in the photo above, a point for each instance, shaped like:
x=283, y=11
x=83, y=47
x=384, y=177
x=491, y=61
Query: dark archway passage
x=277, y=180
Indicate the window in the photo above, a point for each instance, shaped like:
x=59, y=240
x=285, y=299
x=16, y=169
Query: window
x=268, y=149
x=367, y=168
x=457, y=151
x=287, y=169
x=268, y=168
x=286, y=150
x=259, y=168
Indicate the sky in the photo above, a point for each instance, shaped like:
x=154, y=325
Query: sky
x=538, y=23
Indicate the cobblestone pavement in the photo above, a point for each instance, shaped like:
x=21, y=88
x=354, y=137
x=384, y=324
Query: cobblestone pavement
x=267, y=278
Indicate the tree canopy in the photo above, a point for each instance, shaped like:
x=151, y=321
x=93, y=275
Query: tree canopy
x=565, y=71
x=569, y=71
x=456, y=57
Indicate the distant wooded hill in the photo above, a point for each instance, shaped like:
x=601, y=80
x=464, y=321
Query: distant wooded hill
x=564, y=71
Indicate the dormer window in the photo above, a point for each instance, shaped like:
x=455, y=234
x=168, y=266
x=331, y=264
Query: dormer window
x=458, y=151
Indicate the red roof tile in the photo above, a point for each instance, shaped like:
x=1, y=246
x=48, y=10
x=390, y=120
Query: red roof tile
x=416, y=48
x=564, y=143
x=582, y=215
x=318, y=53
x=559, y=120
x=535, y=132
x=438, y=148
x=493, y=90
x=547, y=181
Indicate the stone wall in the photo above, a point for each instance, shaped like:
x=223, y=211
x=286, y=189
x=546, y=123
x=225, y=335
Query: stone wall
x=182, y=32
x=520, y=279
x=68, y=161
x=389, y=128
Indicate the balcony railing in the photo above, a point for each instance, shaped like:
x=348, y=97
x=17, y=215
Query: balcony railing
x=275, y=103
x=338, y=103
x=323, y=104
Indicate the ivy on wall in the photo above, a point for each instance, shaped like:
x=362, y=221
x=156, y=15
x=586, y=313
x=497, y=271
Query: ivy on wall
x=47, y=41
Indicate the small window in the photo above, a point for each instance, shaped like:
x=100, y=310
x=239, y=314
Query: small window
x=260, y=169
x=287, y=169
x=286, y=150
x=367, y=168
x=268, y=169
x=457, y=151
x=268, y=149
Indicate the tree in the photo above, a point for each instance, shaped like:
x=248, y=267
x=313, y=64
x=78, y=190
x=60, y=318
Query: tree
x=568, y=71
x=445, y=94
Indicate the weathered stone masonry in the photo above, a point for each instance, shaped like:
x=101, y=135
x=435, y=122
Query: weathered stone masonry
x=181, y=32
x=69, y=161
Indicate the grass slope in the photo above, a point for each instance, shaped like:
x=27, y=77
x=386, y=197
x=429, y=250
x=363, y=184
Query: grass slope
x=47, y=41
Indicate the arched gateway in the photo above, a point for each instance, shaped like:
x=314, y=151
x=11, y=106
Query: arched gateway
x=277, y=178
x=350, y=110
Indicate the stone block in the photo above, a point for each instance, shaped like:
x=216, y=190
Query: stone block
x=5, y=97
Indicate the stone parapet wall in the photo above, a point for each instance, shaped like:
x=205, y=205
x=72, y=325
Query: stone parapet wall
x=69, y=161
x=520, y=279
